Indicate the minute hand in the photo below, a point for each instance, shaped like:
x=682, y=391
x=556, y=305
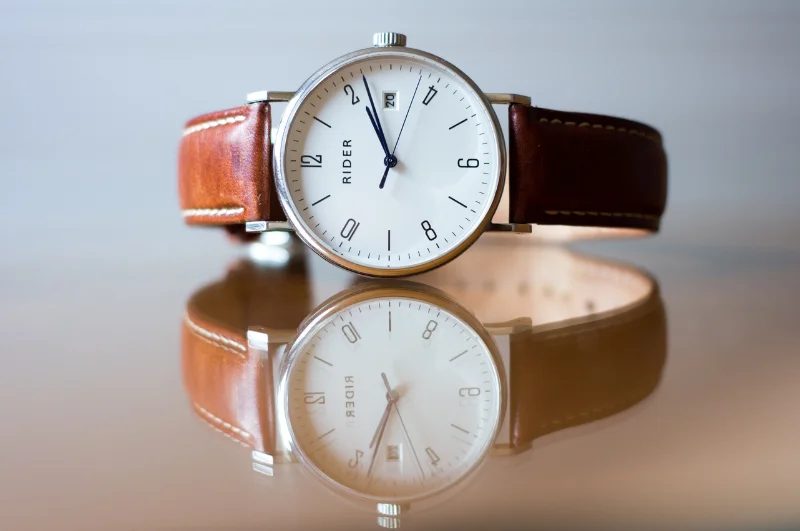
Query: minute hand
x=375, y=119
x=386, y=172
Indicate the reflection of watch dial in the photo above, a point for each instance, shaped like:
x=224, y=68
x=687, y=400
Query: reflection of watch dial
x=415, y=431
x=388, y=214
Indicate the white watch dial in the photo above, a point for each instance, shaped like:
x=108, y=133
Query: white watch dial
x=402, y=204
x=393, y=398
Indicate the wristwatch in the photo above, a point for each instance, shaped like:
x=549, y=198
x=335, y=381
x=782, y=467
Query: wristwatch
x=395, y=393
x=390, y=161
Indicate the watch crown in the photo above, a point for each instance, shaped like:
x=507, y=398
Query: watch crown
x=388, y=38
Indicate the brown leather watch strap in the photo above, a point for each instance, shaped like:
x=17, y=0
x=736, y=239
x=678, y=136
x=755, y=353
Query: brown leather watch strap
x=225, y=168
x=580, y=169
x=587, y=371
x=229, y=384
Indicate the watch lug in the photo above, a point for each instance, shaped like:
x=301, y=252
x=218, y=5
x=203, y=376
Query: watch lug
x=389, y=514
x=263, y=463
x=266, y=339
x=258, y=340
x=506, y=449
x=270, y=344
x=265, y=226
x=507, y=328
x=269, y=95
x=502, y=340
x=519, y=228
x=502, y=98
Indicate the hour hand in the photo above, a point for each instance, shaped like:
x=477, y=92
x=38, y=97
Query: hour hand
x=378, y=132
x=376, y=121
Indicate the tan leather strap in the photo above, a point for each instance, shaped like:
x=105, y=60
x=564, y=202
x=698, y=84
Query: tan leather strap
x=229, y=384
x=580, y=373
x=565, y=168
x=226, y=384
x=225, y=168
x=580, y=169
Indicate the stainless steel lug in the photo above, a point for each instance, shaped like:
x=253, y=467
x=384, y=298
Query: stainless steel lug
x=497, y=98
x=519, y=228
x=258, y=340
x=262, y=463
x=264, y=226
x=269, y=95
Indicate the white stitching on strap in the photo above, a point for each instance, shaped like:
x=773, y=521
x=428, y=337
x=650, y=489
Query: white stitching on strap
x=219, y=340
x=606, y=214
x=556, y=121
x=234, y=429
x=217, y=212
x=213, y=123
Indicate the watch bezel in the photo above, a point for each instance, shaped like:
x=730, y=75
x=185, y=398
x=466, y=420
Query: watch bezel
x=360, y=294
x=290, y=208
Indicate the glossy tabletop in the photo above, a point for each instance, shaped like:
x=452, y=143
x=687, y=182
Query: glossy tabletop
x=99, y=431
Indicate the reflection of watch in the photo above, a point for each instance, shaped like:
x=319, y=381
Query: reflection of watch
x=390, y=161
x=559, y=373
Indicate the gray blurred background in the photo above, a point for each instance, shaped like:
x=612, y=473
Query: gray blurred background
x=94, y=95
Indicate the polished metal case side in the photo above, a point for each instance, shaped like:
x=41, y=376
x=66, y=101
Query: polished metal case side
x=269, y=344
x=280, y=154
x=356, y=295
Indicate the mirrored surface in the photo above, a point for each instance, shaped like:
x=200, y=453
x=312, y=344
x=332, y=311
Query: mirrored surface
x=135, y=398
x=391, y=394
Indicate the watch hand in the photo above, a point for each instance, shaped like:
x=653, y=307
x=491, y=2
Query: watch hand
x=382, y=423
x=376, y=439
x=377, y=131
x=385, y=173
x=411, y=444
x=389, y=391
x=393, y=401
x=376, y=121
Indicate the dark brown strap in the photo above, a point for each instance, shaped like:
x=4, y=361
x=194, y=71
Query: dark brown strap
x=587, y=371
x=582, y=169
x=229, y=385
x=225, y=168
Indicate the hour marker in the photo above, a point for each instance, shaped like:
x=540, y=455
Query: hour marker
x=320, y=200
x=430, y=95
x=456, y=427
x=390, y=321
x=389, y=239
x=433, y=456
x=323, y=361
x=326, y=433
x=459, y=123
x=457, y=201
x=456, y=356
x=323, y=123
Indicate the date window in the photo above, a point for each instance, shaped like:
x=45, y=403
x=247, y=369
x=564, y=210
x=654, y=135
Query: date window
x=393, y=452
x=390, y=102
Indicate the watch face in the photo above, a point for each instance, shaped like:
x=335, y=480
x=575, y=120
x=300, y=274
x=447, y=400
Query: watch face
x=392, y=396
x=389, y=162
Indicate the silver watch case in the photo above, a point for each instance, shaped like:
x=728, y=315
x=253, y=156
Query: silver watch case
x=280, y=154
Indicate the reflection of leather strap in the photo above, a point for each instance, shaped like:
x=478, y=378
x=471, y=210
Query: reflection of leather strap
x=226, y=385
x=584, y=169
x=568, y=376
x=225, y=168
x=230, y=386
x=561, y=373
